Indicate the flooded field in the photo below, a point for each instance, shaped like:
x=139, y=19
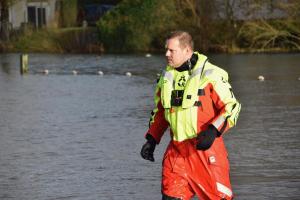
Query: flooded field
x=66, y=136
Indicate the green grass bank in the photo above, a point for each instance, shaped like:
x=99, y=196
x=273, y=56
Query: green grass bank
x=64, y=40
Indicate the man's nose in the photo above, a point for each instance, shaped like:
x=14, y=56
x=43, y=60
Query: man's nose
x=168, y=53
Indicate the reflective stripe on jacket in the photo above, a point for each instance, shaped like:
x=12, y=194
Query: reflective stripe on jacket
x=207, y=99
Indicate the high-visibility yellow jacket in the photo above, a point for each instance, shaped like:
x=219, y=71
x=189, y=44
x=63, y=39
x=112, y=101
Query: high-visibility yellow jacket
x=206, y=98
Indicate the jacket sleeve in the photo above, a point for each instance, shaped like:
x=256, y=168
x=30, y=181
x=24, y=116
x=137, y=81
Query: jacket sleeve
x=157, y=123
x=226, y=104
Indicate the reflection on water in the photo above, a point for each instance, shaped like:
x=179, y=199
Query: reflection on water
x=78, y=137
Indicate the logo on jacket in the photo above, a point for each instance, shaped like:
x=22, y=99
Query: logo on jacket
x=181, y=81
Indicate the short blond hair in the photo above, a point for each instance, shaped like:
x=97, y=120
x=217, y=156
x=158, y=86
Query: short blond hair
x=184, y=38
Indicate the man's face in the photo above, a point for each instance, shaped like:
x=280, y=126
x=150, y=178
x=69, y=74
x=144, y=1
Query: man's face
x=175, y=54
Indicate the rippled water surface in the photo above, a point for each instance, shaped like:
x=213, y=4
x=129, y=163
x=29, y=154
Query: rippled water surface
x=65, y=136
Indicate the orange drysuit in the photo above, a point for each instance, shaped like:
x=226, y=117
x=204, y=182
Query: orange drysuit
x=206, y=98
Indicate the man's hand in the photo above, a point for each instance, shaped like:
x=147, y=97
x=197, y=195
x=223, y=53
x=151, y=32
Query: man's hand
x=148, y=148
x=206, y=138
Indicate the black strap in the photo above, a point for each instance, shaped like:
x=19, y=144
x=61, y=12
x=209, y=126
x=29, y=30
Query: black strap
x=176, y=98
x=201, y=92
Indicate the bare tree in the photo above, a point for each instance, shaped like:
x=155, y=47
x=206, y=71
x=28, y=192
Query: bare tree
x=4, y=21
x=197, y=17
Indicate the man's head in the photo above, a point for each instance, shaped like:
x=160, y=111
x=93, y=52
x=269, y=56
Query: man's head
x=179, y=48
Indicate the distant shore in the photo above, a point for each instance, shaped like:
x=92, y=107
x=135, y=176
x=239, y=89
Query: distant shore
x=85, y=40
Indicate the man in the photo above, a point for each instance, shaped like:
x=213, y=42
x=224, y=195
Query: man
x=193, y=98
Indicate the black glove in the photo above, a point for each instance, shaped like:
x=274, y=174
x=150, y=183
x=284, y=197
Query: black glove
x=206, y=138
x=148, y=148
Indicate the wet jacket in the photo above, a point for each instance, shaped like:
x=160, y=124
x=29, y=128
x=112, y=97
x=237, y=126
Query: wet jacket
x=189, y=101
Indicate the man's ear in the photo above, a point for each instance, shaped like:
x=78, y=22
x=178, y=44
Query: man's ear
x=187, y=50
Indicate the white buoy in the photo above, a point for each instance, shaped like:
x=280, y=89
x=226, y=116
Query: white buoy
x=261, y=78
x=46, y=71
x=75, y=72
x=148, y=55
x=100, y=73
x=299, y=79
x=128, y=74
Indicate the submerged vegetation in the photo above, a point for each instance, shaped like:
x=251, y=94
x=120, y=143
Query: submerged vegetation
x=142, y=25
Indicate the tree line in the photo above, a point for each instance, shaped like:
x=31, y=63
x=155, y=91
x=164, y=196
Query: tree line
x=216, y=25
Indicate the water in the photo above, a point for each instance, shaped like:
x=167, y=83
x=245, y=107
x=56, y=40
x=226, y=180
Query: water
x=78, y=137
